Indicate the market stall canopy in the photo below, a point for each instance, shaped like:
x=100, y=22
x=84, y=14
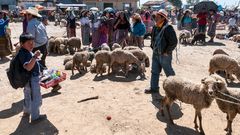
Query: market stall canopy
x=205, y=6
x=70, y=5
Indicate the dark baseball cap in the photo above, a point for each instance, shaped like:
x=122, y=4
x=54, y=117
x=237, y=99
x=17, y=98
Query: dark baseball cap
x=25, y=37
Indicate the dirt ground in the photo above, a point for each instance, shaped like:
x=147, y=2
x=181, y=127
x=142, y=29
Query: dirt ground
x=132, y=112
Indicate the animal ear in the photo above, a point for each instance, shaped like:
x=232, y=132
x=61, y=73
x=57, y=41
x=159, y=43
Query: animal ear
x=219, y=85
x=203, y=81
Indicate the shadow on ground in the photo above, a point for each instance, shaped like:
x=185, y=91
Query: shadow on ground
x=17, y=107
x=120, y=77
x=44, y=127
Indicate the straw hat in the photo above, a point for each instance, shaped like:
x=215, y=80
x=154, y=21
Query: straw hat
x=33, y=11
x=163, y=13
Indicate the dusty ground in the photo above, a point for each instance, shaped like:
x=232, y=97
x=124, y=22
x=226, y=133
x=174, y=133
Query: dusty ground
x=132, y=111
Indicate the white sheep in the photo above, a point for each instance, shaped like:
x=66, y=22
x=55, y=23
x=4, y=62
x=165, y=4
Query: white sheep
x=187, y=92
x=66, y=59
x=184, y=36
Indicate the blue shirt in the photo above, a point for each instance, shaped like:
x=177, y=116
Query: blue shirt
x=38, y=30
x=3, y=25
x=25, y=56
x=138, y=29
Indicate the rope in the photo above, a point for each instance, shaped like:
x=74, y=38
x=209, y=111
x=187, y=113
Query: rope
x=227, y=101
x=224, y=94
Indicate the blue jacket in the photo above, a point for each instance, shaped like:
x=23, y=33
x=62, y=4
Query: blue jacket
x=138, y=29
x=3, y=25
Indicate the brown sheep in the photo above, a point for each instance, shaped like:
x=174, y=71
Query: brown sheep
x=78, y=59
x=220, y=51
x=187, y=92
x=74, y=43
x=219, y=91
x=102, y=57
x=224, y=63
x=124, y=57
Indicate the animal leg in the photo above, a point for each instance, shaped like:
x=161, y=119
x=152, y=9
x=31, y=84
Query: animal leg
x=162, y=103
x=127, y=69
x=195, y=120
x=73, y=65
x=200, y=122
x=229, y=125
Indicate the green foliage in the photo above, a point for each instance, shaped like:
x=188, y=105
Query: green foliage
x=177, y=3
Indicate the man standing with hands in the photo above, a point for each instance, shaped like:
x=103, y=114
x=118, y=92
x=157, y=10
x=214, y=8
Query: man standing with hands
x=163, y=42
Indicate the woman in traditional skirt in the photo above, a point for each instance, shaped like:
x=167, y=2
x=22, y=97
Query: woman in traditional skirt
x=5, y=48
x=85, y=27
x=186, y=21
x=111, y=35
x=95, y=31
x=71, y=25
x=122, y=26
x=103, y=28
x=212, y=24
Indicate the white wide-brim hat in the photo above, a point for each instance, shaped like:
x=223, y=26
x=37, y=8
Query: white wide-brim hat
x=163, y=13
x=33, y=11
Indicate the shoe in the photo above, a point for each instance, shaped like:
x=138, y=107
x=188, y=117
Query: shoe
x=39, y=119
x=56, y=88
x=150, y=91
x=210, y=41
x=25, y=114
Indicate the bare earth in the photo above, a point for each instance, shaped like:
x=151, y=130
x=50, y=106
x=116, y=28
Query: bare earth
x=132, y=112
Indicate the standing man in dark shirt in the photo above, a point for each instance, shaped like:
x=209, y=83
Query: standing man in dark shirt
x=32, y=94
x=163, y=42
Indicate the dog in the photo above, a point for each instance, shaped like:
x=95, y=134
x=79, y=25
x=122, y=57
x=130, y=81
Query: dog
x=200, y=37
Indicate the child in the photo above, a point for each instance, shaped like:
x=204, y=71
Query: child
x=32, y=94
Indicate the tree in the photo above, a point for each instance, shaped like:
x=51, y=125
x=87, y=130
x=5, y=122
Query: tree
x=176, y=3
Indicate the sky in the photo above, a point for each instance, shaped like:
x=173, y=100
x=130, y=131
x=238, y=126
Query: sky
x=222, y=2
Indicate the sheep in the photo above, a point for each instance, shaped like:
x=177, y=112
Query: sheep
x=68, y=65
x=184, y=36
x=102, y=57
x=63, y=23
x=62, y=49
x=142, y=56
x=78, y=59
x=93, y=68
x=58, y=42
x=217, y=91
x=235, y=38
x=51, y=45
x=105, y=46
x=124, y=57
x=115, y=46
x=130, y=48
x=187, y=92
x=224, y=63
x=74, y=43
x=66, y=59
x=219, y=51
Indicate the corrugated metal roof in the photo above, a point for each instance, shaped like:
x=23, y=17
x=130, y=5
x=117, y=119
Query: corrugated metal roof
x=149, y=3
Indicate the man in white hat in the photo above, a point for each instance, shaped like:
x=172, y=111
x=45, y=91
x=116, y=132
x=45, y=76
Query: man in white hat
x=163, y=42
x=38, y=30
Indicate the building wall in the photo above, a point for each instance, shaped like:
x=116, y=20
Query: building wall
x=118, y=4
x=7, y=4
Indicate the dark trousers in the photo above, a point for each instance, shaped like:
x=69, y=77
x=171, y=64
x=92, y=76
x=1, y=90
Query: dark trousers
x=43, y=50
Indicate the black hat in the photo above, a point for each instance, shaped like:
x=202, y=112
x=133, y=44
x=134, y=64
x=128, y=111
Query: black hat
x=25, y=37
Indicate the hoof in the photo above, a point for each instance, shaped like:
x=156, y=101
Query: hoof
x=226, y=129
x=202, y=133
